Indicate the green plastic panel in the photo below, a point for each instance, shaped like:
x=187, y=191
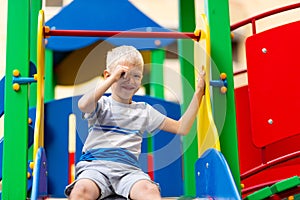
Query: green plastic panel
x=285, y=184
x=260, y=194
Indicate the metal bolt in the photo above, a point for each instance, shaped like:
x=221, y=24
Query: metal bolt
x=207, y=165
x=264, y=50
x=270, y=121
x=198, y=173
x=157, y=42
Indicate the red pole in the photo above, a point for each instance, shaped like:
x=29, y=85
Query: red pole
x=122, y=34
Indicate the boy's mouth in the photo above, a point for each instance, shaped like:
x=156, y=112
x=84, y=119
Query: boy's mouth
x=128, y=87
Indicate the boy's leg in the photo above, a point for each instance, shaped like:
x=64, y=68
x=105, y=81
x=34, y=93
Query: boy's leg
x=145, y=190
x=85, y=189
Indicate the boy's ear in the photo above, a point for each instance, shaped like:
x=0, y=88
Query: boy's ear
x=106, y=74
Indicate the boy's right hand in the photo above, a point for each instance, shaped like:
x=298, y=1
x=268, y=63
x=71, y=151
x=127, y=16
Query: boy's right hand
x=119, y=71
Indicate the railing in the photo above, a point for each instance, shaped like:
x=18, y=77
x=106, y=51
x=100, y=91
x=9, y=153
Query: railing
x=269, y=164
x=252, y=21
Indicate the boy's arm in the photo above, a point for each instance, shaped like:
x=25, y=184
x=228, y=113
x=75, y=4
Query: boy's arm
x=184, y=124
x=88, y=102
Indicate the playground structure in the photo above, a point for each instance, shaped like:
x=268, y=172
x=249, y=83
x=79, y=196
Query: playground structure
x=276, y=166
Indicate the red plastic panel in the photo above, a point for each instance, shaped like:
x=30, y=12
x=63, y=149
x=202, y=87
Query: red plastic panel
x=273, y=61
x=249, y=154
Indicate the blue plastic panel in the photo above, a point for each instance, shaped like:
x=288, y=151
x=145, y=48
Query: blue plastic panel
x=214, y=178
x=167, y=150
x=56, y=144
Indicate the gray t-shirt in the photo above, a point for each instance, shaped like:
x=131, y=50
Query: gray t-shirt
x=116, y=129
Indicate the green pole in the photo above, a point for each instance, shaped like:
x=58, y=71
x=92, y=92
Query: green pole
x=186, y=57
x=49, y=76
x=35, y=7
x=157, y=73
x=156, y=84
x=14, y=184
x=224, y=106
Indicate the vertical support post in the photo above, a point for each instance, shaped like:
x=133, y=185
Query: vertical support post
x=14, y=184
x=186, y=57
x=157, y=73
x=34, y=12
x=221, y=56
x=49, y=80
x=35, y=7
x=156, y=87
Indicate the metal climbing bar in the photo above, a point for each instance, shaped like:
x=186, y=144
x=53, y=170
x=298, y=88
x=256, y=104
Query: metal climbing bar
x=123, y=34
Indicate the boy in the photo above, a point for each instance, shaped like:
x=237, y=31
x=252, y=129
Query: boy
x=109, y=164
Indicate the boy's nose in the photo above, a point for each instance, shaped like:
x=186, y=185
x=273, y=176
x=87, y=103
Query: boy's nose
x=128, y=78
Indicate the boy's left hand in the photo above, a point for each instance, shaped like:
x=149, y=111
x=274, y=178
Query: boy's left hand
x=201, y=80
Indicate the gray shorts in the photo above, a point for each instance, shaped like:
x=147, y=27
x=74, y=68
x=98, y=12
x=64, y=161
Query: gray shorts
x=111, y=177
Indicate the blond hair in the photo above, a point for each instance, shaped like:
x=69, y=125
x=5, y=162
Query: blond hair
x=124, y=54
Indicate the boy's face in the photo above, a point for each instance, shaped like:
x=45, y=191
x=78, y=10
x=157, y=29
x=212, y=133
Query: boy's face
x=128, y=84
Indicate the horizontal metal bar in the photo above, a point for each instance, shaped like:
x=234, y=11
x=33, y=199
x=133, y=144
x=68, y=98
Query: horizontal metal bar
x=123, y=34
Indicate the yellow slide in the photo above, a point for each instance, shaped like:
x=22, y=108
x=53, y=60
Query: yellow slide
x=207, y=132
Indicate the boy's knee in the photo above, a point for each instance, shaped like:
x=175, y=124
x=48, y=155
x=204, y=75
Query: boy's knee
x=85, y=189
x=152, y=188
x=145, y=190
